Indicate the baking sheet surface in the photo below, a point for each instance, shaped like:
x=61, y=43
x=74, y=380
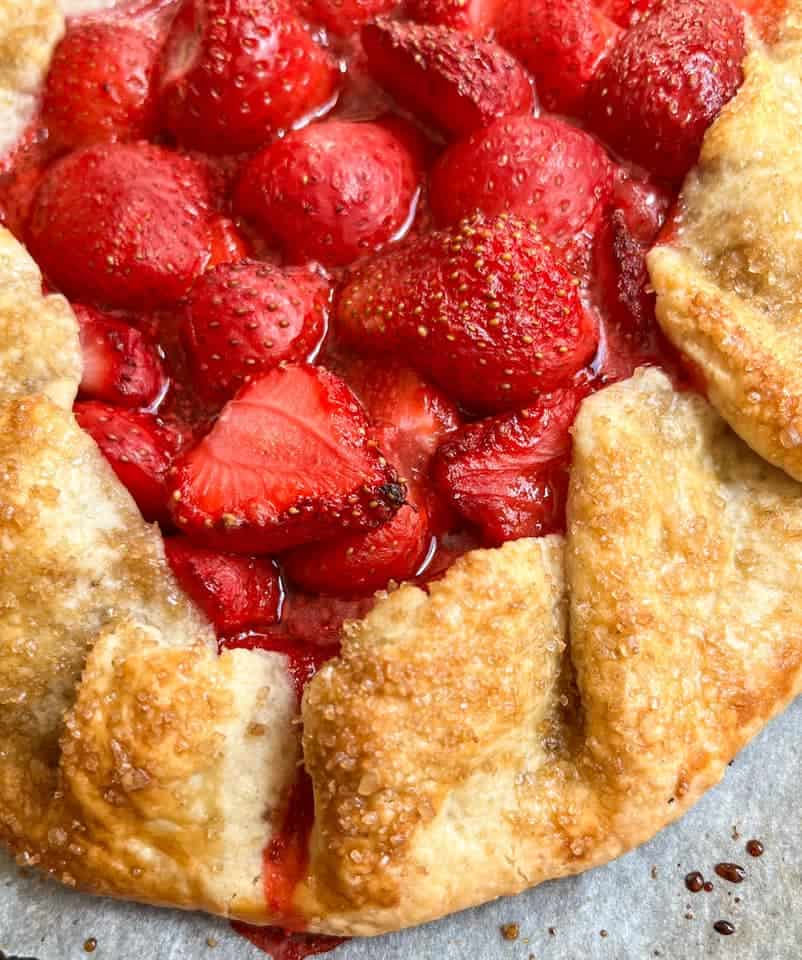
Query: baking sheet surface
x=640, y=902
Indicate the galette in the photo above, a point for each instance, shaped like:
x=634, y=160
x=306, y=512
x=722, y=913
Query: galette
x=400, y=436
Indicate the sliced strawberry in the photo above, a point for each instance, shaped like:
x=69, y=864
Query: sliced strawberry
x=288, y=462
x=331, y=192
x=235, y=593
x=237, y=72
x=140, y=448
x=100, y=88
x=122, y=225
x=121, y=365
x=476, y=17
x=362, y=563
x=485, y=310
x=446, y=77
x=637, y=215
x=665, y=82
x=561, y=43
x=245, y=318
x=343, y=17
x=543, y=170
x=412, y=416
x=508, y=475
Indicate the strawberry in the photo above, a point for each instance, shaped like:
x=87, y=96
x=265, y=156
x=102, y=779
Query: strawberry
x=627, y=12
x=561, y=43
x=411, y=416
x=140, y=448
x=508, y=475
x=236, y=72
x=362, y=563
x=312, y=623
x=120, y=365
x=235, y=593
x=228, y=245
x=245, y=318
x=471, y=16
x=638, y=213
x=287, y=462
x=343, y=17
x=100, y=88
x=543, y=170
x=331, y=192
x=122, y=225
x=454, y=81
x=665, y=82
x=485, y=310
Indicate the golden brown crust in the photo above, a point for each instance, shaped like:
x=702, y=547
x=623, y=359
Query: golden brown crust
x=29, y=32
x=729, y=294
x=150, y=769
x=544, y=708
x=682, y=572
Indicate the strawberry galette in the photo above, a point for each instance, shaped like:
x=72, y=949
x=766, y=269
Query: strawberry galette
x=369, y=550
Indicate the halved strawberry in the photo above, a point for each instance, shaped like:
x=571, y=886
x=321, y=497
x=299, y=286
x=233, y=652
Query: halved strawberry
x=543, y=170
x=120, y=365
x=234, y=592
x=288, y=462
x=561, y=43
x=139, y=446
x=245, y=318
x=331, y=192
x=476, y=17
x=362, y=563
x=411, y=416
x=446, y=77
x=508, y=475
x=343, y=17
x=237, y=72
x=485, y=310
x=122, y=225
x=665, y=82
x=100, y=87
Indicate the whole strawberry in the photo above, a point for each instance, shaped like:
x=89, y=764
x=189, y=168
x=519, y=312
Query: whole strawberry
x=665, y=82
x=332, y=192
x=243, y=319
x=561, y=43
x=507, y=475
x=236, y=593
x=121, y=365
x=122, y=225
x=343, y=17
x=476, y=17
x=100, y=86
x=485, y=310
x=236, y=72
x=446, y=77
x=140, y=448
x=541, y=169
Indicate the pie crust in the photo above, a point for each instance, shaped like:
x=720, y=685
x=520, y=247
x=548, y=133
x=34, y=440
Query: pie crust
x=579, y=693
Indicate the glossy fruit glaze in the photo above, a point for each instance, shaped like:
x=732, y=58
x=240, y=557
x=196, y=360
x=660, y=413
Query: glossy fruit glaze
x=344, y=279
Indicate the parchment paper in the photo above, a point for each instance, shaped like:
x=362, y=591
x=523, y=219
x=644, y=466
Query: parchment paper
x=640, y=901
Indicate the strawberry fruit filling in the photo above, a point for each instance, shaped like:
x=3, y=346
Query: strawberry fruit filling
x=344, y=271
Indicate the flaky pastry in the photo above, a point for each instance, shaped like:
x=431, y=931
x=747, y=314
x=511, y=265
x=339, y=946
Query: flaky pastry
x=579, y=692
